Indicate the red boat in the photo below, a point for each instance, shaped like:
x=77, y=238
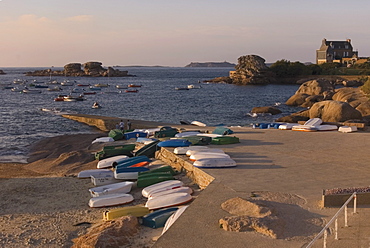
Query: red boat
x=131, y=91
x=134, y=85
x=89, y=93
x=83, y=85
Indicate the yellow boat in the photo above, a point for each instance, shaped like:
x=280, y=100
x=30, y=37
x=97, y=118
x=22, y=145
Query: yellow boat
x=137, y=211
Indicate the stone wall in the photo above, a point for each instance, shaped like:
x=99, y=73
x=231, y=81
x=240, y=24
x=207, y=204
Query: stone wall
x=339, y=200
x=181, y=163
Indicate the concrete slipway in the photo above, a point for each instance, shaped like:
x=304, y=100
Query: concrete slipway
x=300, y=163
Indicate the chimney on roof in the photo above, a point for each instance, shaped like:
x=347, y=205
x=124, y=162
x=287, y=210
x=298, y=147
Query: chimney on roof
x=349, y=40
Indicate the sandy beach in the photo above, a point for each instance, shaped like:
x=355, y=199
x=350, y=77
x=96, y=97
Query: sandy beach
x=43, y=204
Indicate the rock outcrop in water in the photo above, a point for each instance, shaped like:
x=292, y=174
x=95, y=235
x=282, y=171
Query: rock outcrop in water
x=251, y=69
x=88, y=69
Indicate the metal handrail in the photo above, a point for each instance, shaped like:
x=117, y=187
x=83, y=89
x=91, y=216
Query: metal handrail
x=335, y=218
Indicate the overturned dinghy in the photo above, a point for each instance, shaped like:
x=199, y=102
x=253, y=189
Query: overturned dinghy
x=168, y=200
x=173, y=218
x=137, y=211
x=183, y=150
x=109, y=162
x=102, y=140
x=313, y=122
x=158, y=218
x=205, y=155
x=305, y=128
x=347, y=129
x=215, y=163
x=122, y=187
x=288, y=126
x=171, y=191
x=129, y=173
x=95, y=173
x=110, y=200
x=174, y=143
x=212, y=150
x=166, y=185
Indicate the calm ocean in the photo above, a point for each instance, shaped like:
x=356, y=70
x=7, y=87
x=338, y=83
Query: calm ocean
x=22, y=122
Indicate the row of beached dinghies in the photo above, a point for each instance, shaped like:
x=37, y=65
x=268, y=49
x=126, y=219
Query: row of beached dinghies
x=312, y=125
x=121, y=167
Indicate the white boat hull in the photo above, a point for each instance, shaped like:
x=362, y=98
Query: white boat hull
x=212, y=150
x=183, y=150
x=108, y=162
x=186, y=134
x=103, y=139
x=288, y=126
x=103, y=180
x=168, y=200
x=215, y=163
x=327, y=128
x=205, y=155
x=173, y=218
x=166, y=185
x=95, y=173
x=110, y=200
x=347, y=129
x=171, y=191
x=313, y=122
x=122, y=187
x=198, y=123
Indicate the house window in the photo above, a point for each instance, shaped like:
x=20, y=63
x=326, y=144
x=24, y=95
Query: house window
x=346, y=46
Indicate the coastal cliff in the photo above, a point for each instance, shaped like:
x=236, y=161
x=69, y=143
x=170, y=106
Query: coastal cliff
x=88, y=69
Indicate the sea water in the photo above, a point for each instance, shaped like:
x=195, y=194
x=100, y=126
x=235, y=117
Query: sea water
x=23, y=122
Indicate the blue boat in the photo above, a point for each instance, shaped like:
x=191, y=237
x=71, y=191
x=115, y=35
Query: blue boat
x=134, y=135
x=174, y=143
x=158, y=218
x=131, y=161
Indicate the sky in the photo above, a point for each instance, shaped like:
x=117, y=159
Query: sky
x=45, y=33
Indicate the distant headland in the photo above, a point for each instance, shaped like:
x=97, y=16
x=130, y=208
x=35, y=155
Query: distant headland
x=210, y=64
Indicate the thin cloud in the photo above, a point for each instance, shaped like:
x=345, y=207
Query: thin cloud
x=81, y=18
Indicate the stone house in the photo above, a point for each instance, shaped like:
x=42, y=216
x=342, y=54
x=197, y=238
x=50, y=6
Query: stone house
x=336, y=51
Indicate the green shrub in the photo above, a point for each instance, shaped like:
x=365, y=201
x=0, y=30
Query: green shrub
x=366, y=87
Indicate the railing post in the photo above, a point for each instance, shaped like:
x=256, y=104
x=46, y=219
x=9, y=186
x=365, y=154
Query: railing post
x=354, y=203
x=325, y=237
x=345, y=216
x=336, y=229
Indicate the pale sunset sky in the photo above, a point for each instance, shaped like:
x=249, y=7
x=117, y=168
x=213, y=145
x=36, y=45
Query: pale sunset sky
x=43, y=33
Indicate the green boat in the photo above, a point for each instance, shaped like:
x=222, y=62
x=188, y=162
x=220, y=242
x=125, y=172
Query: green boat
x=163, y=169
x=225, y=140
x=198, y=140
x=158, y=218
x=166, y=132
x=110, y=151
x=150, y=179
x=148, y=150
x=222, y=131
x=116, y=134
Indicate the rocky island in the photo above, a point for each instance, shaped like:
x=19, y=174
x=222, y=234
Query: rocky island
x=90, y=69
